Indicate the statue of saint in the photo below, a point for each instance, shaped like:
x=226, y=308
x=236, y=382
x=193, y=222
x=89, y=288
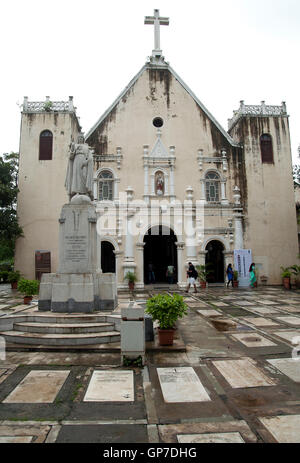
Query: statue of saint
x=79, y=178
x=160, y=184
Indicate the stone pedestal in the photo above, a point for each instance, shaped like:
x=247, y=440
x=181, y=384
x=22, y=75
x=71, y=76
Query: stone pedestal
x=77, y=286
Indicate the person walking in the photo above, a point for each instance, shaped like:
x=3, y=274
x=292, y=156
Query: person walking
x=170, y=274
x=253, y=282
x=151, y=275
x=192, y=276
x=229, y=272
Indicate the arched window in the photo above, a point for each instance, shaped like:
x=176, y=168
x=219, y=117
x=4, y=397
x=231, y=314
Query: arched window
x=46, y=145
x=105, y=186
x=212, y=187
x=266, y=148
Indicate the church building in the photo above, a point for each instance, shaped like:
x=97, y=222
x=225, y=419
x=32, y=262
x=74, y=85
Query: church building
x=170, y=185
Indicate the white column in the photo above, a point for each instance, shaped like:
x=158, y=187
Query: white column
x=238, y=218
x=190, y=229
x=180, y=273
x=224, y=200
x=146, y=173
x=129, y=263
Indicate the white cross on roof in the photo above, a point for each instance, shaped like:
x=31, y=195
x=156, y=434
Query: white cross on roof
x=157, y=21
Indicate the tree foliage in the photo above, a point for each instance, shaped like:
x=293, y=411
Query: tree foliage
x=9, y=227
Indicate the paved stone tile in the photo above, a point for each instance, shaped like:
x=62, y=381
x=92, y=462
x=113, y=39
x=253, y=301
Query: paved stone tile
x=169, y=433
x=285, y=429
x=216, y=438
x=246, y=303
x=263, y=310
x=242, y=373
x=181, y=385
x=110, y=386
x=22, y=433
x=289, y=367
x=259, y=321
x=289, y=320
x=289, y=308
x=253, y=340
x=110, y=433
x=38, y=387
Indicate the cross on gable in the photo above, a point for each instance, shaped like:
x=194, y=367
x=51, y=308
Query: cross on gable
x=157, y=21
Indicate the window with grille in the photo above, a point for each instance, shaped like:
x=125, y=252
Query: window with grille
x=266, y=147
x=46, y=145
x=212, y=186
x=105, y=186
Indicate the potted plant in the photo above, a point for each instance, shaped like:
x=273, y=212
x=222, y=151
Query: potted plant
x=166, y=309
x=235, y=279
x=264, y=280
x=4, y=275
x=295, y=269
x=131, y=278
x=286, y=276
x=28, y=288
x=13, y=278
x=203, y=272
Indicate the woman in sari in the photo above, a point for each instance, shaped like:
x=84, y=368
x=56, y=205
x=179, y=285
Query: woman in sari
x=253, y=282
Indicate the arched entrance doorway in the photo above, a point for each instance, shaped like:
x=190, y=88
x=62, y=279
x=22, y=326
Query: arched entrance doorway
x=215, y=261
x=108, y=260
x=160, y=251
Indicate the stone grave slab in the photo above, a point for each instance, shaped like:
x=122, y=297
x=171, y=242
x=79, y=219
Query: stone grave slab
x=209, y=313
x=289, y=301
x=39, y=386
x=181, y=385
x=267, y=302
x=292, y=337
x=285, y=428
x=110, y=386
x=3, y=306
x=289, y=367
x=216, y=438
x=245, y=303
x=290, y=320
x=220, y=304
x=289, y=308
x=260, y=321
x=263, y=310
x=242, y=373
x=253, y=340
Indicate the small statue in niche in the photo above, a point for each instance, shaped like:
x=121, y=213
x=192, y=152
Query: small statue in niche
x=159, y=184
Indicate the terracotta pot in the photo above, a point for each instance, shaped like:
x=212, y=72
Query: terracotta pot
x=131, y=285
x=287, y=283
x=203, y=284
x=27, y=299
x=166, y=337
x=14, y=285
x=235, y=284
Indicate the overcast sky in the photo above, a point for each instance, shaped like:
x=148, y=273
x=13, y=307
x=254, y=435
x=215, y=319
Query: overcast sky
x=224, y=50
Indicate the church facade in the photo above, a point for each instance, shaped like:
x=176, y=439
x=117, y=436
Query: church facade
x=170, y=185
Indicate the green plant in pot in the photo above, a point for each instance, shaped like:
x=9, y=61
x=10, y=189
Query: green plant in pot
x=28, y=288
x=235, y=278
x=203, y=272
x=13, y=278
x=166, y=309
x=295, y=270
x=131, y=278
x=286, y=277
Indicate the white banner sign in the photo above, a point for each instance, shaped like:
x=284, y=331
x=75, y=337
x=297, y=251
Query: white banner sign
x=242, y=262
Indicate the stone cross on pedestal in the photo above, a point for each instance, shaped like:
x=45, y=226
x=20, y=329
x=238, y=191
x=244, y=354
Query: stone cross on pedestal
x=157, y=21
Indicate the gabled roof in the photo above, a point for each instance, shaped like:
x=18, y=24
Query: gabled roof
x=182, y=83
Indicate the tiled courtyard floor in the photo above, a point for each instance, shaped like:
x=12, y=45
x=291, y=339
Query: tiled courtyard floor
x=236, y=380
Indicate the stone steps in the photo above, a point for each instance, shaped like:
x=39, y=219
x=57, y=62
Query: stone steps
x=52, y=329
x=54, y=339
